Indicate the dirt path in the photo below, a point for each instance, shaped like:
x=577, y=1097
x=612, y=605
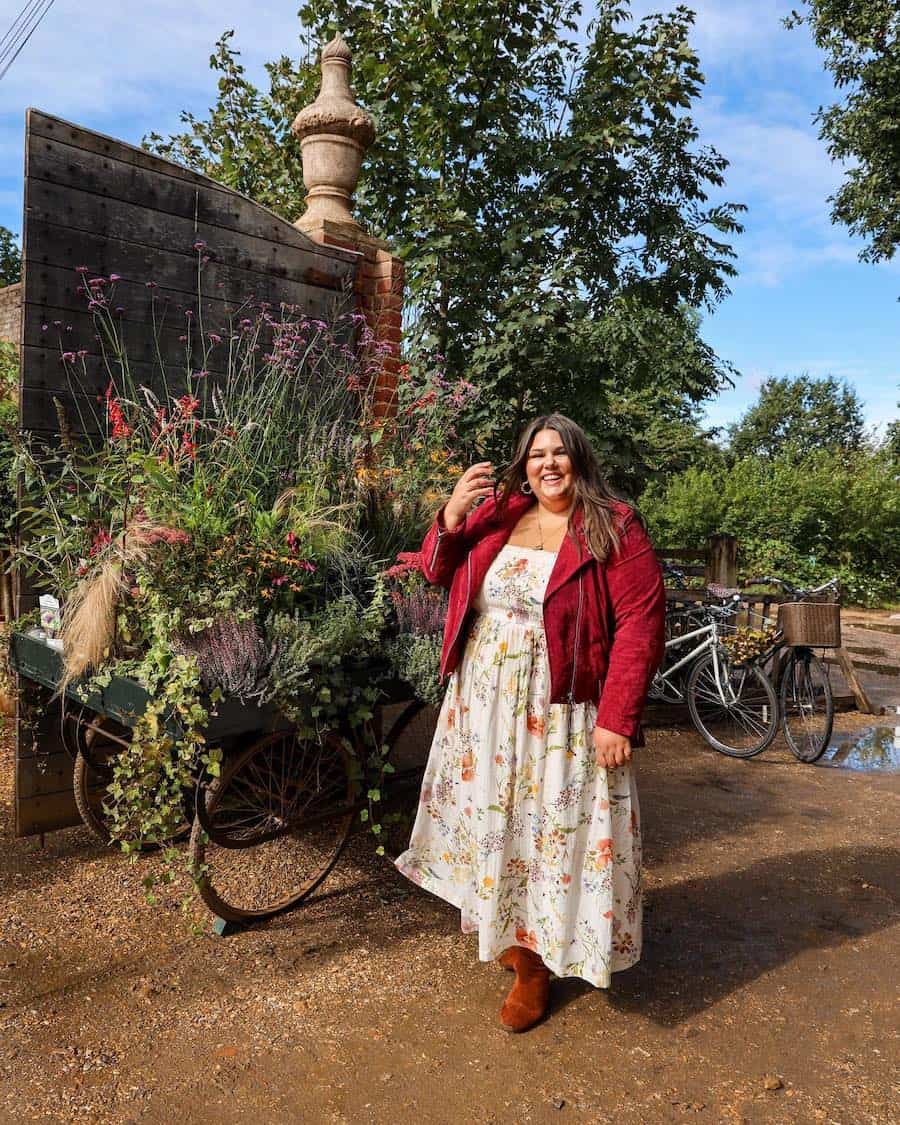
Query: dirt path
x=770, y=960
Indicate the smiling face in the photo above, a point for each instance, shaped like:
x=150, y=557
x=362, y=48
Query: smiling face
x=549, y=469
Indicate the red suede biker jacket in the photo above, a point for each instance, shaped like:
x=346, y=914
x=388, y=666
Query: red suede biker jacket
x=604, y=621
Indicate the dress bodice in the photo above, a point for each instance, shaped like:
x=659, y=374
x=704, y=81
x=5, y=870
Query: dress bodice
x=515, y=583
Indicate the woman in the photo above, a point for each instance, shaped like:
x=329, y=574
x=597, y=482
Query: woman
x=528, y=819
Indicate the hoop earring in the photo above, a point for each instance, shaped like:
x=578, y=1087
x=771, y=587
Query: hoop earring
x=526, y=488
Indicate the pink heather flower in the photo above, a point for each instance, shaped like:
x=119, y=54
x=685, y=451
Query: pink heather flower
x=216, y=339
x=114, y=277
x=151, y=284
x=97, y=281
x=199, y=244
x=200, y=374
x=43, y=327
x=82, y=269
x=68, y=357
x=189, y=313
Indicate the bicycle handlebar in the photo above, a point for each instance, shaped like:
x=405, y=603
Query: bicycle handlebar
x=795, y=591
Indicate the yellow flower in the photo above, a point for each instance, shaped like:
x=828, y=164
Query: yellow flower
x=487, y=881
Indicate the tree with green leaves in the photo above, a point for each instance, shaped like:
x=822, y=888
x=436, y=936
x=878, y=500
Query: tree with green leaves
x=861, y=41
x=549, y=197
x=10, y=258
x=798, y=416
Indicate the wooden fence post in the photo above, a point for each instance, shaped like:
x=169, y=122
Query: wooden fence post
x=721, y=560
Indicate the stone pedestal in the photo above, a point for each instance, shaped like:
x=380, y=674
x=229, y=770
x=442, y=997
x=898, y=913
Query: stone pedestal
x=334, y=133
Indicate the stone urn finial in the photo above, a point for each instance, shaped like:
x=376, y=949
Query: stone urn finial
x=334, y=133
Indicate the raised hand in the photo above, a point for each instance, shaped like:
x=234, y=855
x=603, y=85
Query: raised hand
x=477, y=481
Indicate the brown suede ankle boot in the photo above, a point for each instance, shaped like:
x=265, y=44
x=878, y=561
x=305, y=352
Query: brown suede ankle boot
x=528, y=997
x=508, y=959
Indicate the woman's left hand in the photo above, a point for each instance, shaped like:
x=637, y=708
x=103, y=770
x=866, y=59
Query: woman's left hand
x=610, y=748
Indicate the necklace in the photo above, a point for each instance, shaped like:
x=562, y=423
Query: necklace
x=537, y=513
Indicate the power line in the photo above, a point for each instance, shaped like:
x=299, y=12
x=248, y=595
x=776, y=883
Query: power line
x=11, y=52
x=21, y=31
x=21, y=18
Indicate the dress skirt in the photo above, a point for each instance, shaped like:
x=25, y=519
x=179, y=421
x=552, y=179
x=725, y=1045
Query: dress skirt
x=517, y=825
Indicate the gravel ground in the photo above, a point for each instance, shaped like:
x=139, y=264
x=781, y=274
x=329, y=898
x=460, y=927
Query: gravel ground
x=766, y=992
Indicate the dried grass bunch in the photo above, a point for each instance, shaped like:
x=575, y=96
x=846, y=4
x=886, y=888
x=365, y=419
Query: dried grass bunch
x=88, y=622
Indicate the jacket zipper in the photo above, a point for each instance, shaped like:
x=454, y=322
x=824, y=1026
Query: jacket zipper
x=437, y=543
x=577, y=635
x=462, y=619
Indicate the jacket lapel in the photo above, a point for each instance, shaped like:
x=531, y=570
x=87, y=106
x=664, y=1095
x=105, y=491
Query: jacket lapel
x=571, y=558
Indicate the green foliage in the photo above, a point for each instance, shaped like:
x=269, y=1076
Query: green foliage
x=833, y=511
x=799, y=416
x=322, y=675
x=417, y=661
x=549, y=197
x=10, y=258
x=861, y=41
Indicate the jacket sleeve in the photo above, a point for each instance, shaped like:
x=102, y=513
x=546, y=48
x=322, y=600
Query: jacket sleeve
x=638, y=605
x=442, y=550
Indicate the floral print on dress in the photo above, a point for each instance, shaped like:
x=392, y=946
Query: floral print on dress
x=517, y=825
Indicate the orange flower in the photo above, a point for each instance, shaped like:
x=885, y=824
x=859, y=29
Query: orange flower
x=535, y=724
x=468, y=766
x=604, y=852
x=451, y=719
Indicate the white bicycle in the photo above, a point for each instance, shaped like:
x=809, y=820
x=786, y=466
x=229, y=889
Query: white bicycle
x=732, y=704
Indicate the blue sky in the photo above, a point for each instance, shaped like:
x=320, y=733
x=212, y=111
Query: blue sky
x=802, y=301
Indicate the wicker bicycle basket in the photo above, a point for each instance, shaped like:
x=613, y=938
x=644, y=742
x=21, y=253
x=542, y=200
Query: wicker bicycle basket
x=811, y=624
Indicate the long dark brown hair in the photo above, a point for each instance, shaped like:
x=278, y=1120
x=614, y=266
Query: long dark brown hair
x=592, y=490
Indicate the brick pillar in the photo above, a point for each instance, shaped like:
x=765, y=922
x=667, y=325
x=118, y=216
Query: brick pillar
x=379, y=296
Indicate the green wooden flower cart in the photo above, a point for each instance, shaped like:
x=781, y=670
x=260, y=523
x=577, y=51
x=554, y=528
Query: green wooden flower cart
x=266, y=832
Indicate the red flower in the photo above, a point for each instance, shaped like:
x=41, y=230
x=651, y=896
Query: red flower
x=407, y=563
x=188, y=404
x=101, y=539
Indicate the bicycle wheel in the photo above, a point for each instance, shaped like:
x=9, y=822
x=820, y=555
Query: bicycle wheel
x=807, y=705
x=732, y=705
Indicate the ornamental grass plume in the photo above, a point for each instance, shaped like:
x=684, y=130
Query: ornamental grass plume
x=88, y=622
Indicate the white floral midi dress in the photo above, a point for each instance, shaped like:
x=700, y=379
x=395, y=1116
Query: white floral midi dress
x=517, y=825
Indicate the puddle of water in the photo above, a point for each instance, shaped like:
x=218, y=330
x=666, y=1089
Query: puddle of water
x=873, y=749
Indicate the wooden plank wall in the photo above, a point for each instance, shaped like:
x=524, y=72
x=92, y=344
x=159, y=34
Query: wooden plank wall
x=96, y=202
